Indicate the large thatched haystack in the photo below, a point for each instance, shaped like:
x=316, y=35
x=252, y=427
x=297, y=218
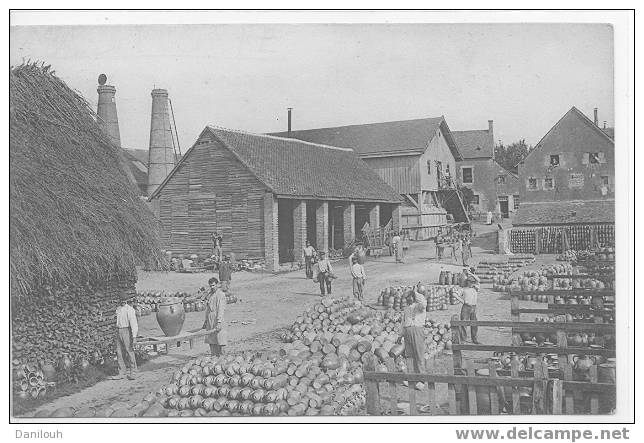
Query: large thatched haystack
x=77, y=226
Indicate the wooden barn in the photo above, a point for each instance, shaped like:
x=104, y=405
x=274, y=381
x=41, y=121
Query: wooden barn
x=267, y=195
x=417, y=158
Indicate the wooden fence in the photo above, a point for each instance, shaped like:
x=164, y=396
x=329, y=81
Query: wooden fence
x=477, y=395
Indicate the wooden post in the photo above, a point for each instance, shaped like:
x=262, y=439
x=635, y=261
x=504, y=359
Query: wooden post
x=496, y=394
x=412, y=389
x=594, y=397
x=539, y=389
x=567, y=374
x=471, y=390
x=515, y=316
x=516, y=399
x=393, y=388
x=557, y=396
x=451, y=395
x=371, y=388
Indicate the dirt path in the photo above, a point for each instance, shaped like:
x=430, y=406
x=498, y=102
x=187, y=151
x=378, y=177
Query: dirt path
x=272, y=302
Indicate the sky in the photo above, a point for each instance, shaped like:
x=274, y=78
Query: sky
x=244, y=76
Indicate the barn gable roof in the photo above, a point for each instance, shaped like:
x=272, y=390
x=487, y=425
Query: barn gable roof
x=380, y=139
x=475, y=143
x=579, y=117
x=294, y=168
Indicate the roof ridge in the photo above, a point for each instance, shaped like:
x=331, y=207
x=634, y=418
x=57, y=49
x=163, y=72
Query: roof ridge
x=239, y=131
x=364, y=124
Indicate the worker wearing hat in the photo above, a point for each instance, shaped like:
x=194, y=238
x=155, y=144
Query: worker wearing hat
x=469, y=299
x=214, y=321
x=325, y=271
x=127, y=329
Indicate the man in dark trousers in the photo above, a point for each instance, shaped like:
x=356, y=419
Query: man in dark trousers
x=225, y=273
x=470, y=300
x=325, y=272
x=309, y=254
x=127, y=329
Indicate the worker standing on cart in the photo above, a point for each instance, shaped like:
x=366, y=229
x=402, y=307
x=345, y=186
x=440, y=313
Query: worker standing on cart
x=214, y=321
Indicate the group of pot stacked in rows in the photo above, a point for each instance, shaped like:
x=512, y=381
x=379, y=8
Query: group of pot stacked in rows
x=438, y=296
x=148, y=302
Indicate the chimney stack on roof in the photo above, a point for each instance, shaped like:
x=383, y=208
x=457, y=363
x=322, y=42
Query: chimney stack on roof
x=604, y=124
x=289, y=120
x=490, y=131
x=596, y=118
x=106, y=111
x=161, y=158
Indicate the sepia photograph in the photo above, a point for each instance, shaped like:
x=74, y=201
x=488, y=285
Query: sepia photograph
x=319, y=217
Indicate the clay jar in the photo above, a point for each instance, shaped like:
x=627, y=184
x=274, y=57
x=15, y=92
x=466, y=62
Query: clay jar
x=170, y=316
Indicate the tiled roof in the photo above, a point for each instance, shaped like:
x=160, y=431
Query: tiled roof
x=609, y=132
x=378, y=138
x=565, y=212
x=139, y=154
x=301, y=169
x=474, y=144
x=137, y=168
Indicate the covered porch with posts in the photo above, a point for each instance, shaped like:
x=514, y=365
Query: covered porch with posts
x=326, y=224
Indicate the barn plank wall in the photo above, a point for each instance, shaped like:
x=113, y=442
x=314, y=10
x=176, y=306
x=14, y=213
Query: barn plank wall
x=212, y=191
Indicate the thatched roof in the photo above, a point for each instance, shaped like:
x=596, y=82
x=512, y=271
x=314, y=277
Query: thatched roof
x=74, y=216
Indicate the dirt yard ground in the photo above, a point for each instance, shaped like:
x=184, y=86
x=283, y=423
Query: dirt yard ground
x=269, y=303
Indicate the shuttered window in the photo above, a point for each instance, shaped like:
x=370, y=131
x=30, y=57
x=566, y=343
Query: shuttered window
x=467, y=175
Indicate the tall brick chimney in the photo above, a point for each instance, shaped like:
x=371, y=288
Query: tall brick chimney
x=490, y=131
x=596, y=117
x=106, y=111
x=161, y=158
x=289, y=120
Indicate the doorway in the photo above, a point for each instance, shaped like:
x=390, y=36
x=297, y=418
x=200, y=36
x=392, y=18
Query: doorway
x=504, y=206
x=286, y=237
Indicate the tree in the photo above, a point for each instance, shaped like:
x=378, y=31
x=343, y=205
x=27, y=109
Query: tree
x=511, y=155
x=468, y=196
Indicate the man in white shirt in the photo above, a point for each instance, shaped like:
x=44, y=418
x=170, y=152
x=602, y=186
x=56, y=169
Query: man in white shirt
x=359, y=277
x=413, y=323
x=470, y=300
x=324, y=274
x=127, y=329
x=308, y=252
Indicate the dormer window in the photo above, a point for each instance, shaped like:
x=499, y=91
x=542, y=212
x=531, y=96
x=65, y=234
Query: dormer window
x=554, y=160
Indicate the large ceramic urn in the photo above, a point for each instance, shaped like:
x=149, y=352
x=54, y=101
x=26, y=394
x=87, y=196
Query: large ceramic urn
x=170, y=316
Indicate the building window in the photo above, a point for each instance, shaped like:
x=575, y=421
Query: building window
x=515, y=197
x=548, y=183
x=554, y=160
x=467, y=175
x=605, y=180
x=429, y=167
x=501, y=179
x=475, y=199
x=532, y=184
x=593, y=158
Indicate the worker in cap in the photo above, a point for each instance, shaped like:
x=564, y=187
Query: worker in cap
x=127, y=328
x=325, y=272
x=214, y=321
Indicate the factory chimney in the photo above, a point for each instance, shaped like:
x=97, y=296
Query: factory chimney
x=106, y=111
x=596, y=118
x=289, y=120
x=161, y=159
x=490, y=131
